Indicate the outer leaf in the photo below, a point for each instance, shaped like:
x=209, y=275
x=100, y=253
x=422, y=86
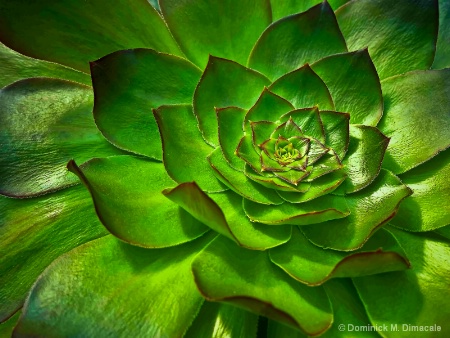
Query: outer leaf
x=354, y=85
x=230, y=121
x=303, y=88
x=43, y=124
x=444, y=231
x=226, y=29
x=337, y=131
x=223, y=213
x=428, y=208
x=316, y=211
x=127, y=197
x=369, y=209
x=224, y=83
x=421, y=293
x=128, y=84
x=297, y=39
x=16, y=67
x=442, y=56
x=222, y=320
x=77, y=31
x=34, y=232
x=239, y=183
x=321, y=186
x=184, y=151
x=313, y=265
x=365, y=154
x=401, y=35
x=6, y=328
x=145, y=281
x=282, y=8
x=348, y=311
x=275, y=330
x=425, y=95
x=245, y=278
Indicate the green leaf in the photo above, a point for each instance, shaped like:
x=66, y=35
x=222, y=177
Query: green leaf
x=125, y=94
x=16, y=67
x=223, y=213
x=442, y=56
x=444, y=231
x=313, y=265
x=369, y=209
x=269, y=107
x=274, y=182
x=401, y=35
x=348, y=310
x=308, y=120
x=226, y=29
x=292, y=176
x=224, y=83
x=240, y=183
x=337, y=131
x=129, y=284
x=297, y=39
x=276, y=329
x=427, y=208
x=77, y=31
x=326, y=164
x=421, y=294
x=36, y=231
x=365, y=154
x=354, y=85
x=321, y=186
x=319, y=210
x=425, y=95
x=126, y=191
x=261, y=132
x=245, y=276
x=6, y=328
x=43, y=124
x=282, y=8
x=184, y=151
x=223, y=320
x=303, y=88
x=247, y=152
x=230, y=120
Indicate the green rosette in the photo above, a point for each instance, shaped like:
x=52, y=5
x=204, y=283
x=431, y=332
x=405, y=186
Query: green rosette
x=224, y=169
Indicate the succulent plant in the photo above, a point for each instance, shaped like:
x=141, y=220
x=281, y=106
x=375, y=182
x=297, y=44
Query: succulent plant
x=251, y=168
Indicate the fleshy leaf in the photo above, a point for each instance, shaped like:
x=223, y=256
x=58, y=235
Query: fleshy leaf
x=276, y=329
x=287, y=129
x=348, y=310
x=425, y=96
x=77, y=32
x=316, y=211
x=249, y=234
x=321, y=186
x=128, y=283
x=223, y=213
x=43, y=124
x=184, y=151
x=313, y=265
x=224, y=83
x=308, y=120
x=240, y=183
x=125, y=94
x=261, y=131
x=401, y=35
x=421, y=293
x=282, y=8
x=274, y=182
x=230, y=121
x=16, y=67
x=246, y=276
x=292, y=176
x=303, y=88
x=297, y=39
x=427, y=208
x=269, y=107
x=337, y=131
x=442, y=56
x=369, y=209
x=126, y=191
x=36, y=231
x=328, y=163
x=222, y=320
x=227, y=29
x=247, y=153
x=6, y=328
x=354, y=85
x=365, y=154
